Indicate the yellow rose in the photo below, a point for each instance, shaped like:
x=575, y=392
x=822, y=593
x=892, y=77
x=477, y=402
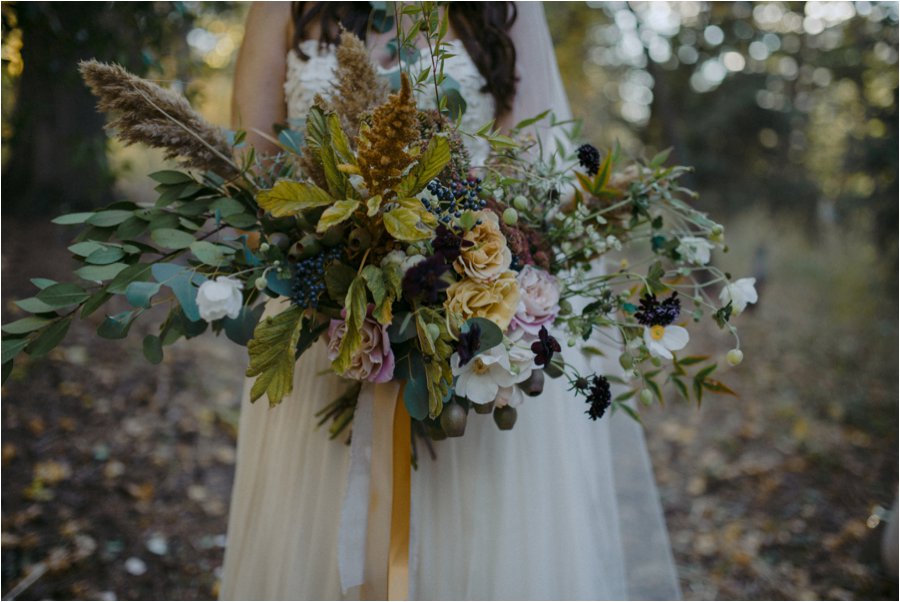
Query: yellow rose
x=489, y=256
x=496, y=300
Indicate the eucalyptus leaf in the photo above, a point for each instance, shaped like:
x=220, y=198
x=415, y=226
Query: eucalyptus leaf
x=131, y=228
x=136, y=272
x=139, y=294
x=33, y=305
x=109, y=218
x=94, y=303
x=99, y=273
x=415, y=391
x=183, y=282
x=210, y=253
x=62, y=295
x=70, y=219
x=170, y=238
x=152, y=347
x=117, y=326
x=26, y=325
x=491, y=335
x=11, y=348
x=50, y=338
x=105, y=256
x=169, y=176
x=240, y=329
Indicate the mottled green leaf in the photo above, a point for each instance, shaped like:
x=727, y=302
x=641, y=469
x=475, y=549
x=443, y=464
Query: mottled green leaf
x=336, y=214
x=288, y=198
x=271, y=353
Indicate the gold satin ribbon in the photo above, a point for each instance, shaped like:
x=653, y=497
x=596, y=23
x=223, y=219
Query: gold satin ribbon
x=398, y=557
x=387, y=538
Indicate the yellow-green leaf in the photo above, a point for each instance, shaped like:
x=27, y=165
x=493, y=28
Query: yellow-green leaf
x=404, y=224
x=355, y=307
x=373, y=205
x=415, y=205
x=290, y=198
x=272, y=355
x=337, y=213
x=339, y=140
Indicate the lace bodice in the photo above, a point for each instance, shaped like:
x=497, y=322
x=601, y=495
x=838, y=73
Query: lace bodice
x=306, y=78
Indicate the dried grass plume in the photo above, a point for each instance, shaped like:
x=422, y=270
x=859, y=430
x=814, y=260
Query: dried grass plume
x=383, y=147
x=358, y=87
x=140, y=111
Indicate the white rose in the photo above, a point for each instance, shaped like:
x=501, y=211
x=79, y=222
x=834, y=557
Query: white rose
x=219, y=298
x=695, y=250
x=740, y=293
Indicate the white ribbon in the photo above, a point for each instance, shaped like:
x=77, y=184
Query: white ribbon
x=355, y=505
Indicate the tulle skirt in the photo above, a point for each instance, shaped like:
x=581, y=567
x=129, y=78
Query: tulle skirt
x=560, y=507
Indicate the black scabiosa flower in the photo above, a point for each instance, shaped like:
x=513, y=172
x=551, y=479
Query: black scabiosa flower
x=658, y=313
x=448, y=244
x=589, y=158
x=544, y=347
x=468, y=343
x=425, y=280
x=598, y=395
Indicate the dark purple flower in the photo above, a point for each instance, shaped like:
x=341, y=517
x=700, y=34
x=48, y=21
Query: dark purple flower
x=468, y=344
x=589, y=158
x=425, y=280
x=544, y=347
x=598, y=396
x=658, y=313
x=448, y=243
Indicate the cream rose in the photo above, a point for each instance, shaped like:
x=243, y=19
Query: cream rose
x=496, y=300
x=489, y=256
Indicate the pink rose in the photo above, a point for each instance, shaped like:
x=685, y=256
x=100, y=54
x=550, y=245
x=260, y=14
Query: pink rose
x=538, y=301
x=373, y=361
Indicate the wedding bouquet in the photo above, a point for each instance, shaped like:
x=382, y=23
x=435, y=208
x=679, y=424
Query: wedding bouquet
x=373, y=230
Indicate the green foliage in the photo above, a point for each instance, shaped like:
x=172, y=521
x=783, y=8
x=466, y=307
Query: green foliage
x=272, y=355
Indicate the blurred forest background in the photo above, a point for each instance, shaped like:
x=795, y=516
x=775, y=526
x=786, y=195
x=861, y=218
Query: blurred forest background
x=116, y=477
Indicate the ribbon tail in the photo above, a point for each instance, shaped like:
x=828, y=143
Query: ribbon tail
x=355, y=505
x=398, y=557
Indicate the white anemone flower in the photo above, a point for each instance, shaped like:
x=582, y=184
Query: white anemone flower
x=740, y=293
x=694, y=249
x=482, y=377
x=661, y=341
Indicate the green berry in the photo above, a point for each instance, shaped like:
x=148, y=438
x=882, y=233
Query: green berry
x=520, y=203
x=646, y=397
x=510, y=216
x=734, y=357
x=505, y=417
x=260, y=283
x=453, y=420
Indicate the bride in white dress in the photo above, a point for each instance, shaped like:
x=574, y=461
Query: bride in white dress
x=560, y=507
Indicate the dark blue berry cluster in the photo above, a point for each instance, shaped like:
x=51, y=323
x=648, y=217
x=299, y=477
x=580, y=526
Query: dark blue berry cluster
x=658, y=313
x=309, y=277
x=452, y=200
x=589, y=158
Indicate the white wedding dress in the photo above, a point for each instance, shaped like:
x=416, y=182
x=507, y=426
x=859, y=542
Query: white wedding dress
x=558, y=508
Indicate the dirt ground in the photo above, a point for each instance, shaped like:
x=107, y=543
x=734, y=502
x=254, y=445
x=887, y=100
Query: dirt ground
x=117, y=474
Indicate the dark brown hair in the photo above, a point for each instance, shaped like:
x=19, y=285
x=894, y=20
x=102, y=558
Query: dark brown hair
x=483, y=28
